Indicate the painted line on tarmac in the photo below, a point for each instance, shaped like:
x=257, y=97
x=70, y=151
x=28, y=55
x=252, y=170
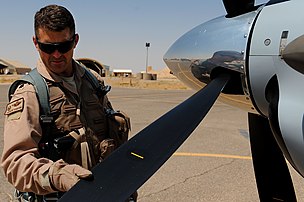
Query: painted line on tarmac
x=212, y=155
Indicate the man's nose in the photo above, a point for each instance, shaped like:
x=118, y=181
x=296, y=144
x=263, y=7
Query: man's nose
x=56, y=54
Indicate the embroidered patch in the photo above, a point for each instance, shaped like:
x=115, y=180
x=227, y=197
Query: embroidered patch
x=15, y=106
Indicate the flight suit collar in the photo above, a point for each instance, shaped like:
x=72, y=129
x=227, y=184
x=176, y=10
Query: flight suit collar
x=79, y=72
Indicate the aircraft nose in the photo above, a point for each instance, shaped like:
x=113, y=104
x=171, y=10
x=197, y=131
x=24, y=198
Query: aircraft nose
x=220, y=42
x=215, y=47
x=293, y=54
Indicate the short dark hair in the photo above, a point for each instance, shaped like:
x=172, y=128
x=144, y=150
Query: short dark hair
x=54, y=18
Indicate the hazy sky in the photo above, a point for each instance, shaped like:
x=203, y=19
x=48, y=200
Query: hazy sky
x=114, y=32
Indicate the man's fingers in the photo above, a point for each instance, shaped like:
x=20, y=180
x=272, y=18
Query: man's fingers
x=82, y=173
x=63, y=176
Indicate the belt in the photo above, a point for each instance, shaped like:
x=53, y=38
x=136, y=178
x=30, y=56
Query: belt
x=31, y=197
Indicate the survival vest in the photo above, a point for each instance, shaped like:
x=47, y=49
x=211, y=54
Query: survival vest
x=118, y=123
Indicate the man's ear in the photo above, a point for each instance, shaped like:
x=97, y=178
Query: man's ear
x=76, y=40
x=35, y=42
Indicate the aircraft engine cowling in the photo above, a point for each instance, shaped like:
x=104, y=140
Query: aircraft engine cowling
x=211, y=48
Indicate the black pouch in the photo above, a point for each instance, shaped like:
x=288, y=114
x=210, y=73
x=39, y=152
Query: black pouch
x=119, y=126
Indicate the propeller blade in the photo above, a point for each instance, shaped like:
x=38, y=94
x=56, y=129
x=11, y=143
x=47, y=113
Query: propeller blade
x=238, y=7
x=272, y=175
x=125, y=170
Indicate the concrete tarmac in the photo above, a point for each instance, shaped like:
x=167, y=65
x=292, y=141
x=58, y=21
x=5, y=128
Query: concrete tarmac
x=213, y=164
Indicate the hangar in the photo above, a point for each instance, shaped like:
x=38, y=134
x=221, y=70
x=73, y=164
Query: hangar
x=13, y=67
x=101, y=69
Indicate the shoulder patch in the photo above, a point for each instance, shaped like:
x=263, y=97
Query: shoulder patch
x=14, y=106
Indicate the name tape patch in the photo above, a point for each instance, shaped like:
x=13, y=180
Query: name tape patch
x=15, y=106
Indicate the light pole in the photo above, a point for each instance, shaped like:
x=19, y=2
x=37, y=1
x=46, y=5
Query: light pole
x=147, y=46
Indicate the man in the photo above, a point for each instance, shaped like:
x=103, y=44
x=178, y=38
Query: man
x=75, y=110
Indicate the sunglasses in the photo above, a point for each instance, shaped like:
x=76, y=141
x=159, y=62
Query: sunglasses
x=62, y=47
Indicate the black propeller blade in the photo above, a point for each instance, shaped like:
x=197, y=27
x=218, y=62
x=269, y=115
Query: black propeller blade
x=238, y=7
x=272, y=175
x=133, y=163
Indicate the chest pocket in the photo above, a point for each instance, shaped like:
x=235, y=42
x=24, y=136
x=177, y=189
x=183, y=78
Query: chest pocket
x=92, y=111
x=63, y=110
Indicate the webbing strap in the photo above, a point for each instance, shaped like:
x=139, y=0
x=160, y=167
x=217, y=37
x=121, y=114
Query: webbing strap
x=85, y=155
x=79, y=137
x=41, y=88
x=101, y=90
x=91, y=78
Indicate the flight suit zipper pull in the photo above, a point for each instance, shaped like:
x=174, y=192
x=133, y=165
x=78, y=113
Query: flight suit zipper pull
x=78, y=109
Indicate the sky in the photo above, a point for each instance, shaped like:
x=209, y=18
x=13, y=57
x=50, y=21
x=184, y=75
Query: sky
x=113, y=32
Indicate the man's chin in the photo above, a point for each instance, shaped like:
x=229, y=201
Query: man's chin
x=58, y=69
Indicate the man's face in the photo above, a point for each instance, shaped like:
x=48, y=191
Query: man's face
x=56, y=50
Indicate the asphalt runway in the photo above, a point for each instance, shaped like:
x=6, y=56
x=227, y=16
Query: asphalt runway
x=213, y=164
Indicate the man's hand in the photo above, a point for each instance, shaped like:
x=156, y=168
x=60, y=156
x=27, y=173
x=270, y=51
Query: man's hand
x=64, y=176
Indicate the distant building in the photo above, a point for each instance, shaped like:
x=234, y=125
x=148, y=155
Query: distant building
x=122, y=72
x=3, y=68
x=13, y=67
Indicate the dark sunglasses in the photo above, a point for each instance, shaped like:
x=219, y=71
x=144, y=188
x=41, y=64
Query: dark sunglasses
x=62, y=47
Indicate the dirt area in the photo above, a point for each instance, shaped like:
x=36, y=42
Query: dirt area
x=162, y=83
x=8, y=78
x=164, y=80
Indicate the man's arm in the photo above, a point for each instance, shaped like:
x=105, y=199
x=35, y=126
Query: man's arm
x=21, y=161
x=22, y=132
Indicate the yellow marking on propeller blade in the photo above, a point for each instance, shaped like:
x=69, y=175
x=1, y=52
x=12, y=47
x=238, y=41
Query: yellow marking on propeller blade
x=212, y=155
x=137, y=155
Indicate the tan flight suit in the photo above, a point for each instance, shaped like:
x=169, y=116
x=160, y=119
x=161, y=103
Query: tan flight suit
x=23, y=166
